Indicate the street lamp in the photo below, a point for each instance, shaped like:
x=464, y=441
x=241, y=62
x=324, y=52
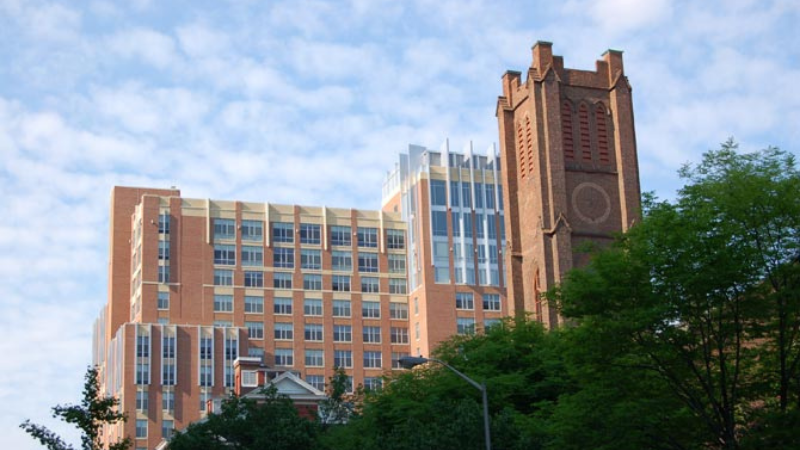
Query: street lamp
x=412, y=361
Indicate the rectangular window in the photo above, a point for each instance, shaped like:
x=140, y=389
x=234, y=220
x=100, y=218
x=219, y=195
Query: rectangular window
x=224, y=229
x=223, y=303
x=225, y=254
x=314, y=358
x=163, y=300
x=368, y=262
x=416, y=330
x=480, y=231
x=343, y=358
x=255, y=352
x=397, y=263
x=395, y=239
x=372, y=335
x=313, y=332
x=206, y=376
x=342, y=333
x=249, y=378
x=310, y=233
x=491, y=227
x=284, y=357
x=283, y=258
x=163, y=223
x=163, y=274
x=142, y=346
x=373, y=383
x=466, y=195
x=488, y=323
x=340, y=283
x=456, y=221
x=282, y=280
x=396, y=359
x=370, y=285
x=142, y=373
x=465, y=325
x=341, y=308
x=489, y=189
x=398, y=311
x=367, y=237
x=312, y=282
x=283, y=232
x=312, y=307
x=252, y=230
x=371, y=310
x=310, y=259
x=253, y=279
x=399, y=335
x=255, y=330
x=438, y=193
x=284, y=331
x=223, y=323
x=439, y=223
x=372, y=360
x=168, y=346
x=283, y=306
x=206, y=348
x=252, y=255
x=341, y=236
x=141, y=428
x=465, y=300
x=478, y=195
x=318, y=381
x=168, y=400
x=223, y=277
x=491, y=302
x=253, y=304
x=141, y=399
x=397, y=285
x=341, y=261
x=163, y=250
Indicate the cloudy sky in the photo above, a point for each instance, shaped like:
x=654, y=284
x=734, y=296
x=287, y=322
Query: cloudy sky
x=309, y=102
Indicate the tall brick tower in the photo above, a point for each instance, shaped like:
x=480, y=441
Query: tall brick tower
x=568, y=152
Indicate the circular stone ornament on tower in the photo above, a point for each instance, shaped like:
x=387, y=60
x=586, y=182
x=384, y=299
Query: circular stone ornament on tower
x=591, y=203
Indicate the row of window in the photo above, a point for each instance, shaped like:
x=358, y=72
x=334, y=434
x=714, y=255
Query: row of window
x=466, y=300
x=311, y=307
x=311, y=282
x=253, y=230
x=463, y=221
x=314, y=332
x=310, y=259
x=461, y=194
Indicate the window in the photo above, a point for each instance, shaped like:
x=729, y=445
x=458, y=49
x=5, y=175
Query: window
x=341, y=236
x=373, y=383
x=205, y=396
x=368, y=262
x=396, y=359
x=439, y=223
x=163, y=250
x=455, y=217
x=283, y=305
x=372, y=360
x=488, y=323
x=370, y=284
x=252, y=255
x=168, y=400
x=372, y=335
x=416, y=330
x=253, y=279
x=168, y=374
x=438, y=193
x=416, y=305
x=342, y=333
x=284, y=357
x=479, y=195
x=397, y=263
x=223, y=323
x=371, y=310
x=398, y=311
x=343, y=358
x=284, y=331
x=310, y=259
x=465, y=300
x=142, y=346
x=255, y=352
x=252, y=230
x=313, y=332
x=310, y=233
x=206, y=375
x=141, y=399
x=467, y=225
x=312, y=307
x=480, y=231
x=340, y=283
x=163, y=223
x=466, y=195
x=282, y=280
x=225, y=254
x=397, y=285
x=318, y=381
x=395, y=239
x=314, y=358
x=255, y=330
x=399, y=335
x=206, y=348
x=253, y=304
x=342, y=261
x=223, y=303
x=489, y=188
x=454, y=200
x=341, y=308
x=283, y=257
x=141, y=428
x=163, y=274
x=163, y=300
x=491, y=302
x=249, y=378
x=367, y=237
x=168, y=346
x=223, y=277
x=491, y=226
x=312, y=282
x=465, y=325
x=224, y=229
x=283, y=232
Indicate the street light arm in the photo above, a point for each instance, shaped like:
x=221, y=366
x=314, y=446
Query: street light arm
x=478, y=386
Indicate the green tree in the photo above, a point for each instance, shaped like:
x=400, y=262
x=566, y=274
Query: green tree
x=270, y=422
x=89, y=417
x=703, y=293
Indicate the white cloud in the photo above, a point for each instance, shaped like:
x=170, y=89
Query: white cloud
x=150, y=46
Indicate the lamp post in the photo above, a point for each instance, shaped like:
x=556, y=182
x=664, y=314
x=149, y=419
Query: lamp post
x=412, y=361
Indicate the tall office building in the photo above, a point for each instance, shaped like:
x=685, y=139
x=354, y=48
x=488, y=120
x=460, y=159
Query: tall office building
x=568, y=156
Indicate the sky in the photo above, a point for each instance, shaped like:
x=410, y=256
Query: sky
x=310, y=102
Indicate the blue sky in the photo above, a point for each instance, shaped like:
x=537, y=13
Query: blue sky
x=309, y=102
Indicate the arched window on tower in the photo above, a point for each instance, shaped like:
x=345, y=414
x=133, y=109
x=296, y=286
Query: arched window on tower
x=521, y=152
x=602, y=134
x=567, y=130
x=529, y=143
x=583, y=123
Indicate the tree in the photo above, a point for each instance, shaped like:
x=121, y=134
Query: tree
x=338, y=407
x=703, y=293
x=270, y=422
x=89, y=417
